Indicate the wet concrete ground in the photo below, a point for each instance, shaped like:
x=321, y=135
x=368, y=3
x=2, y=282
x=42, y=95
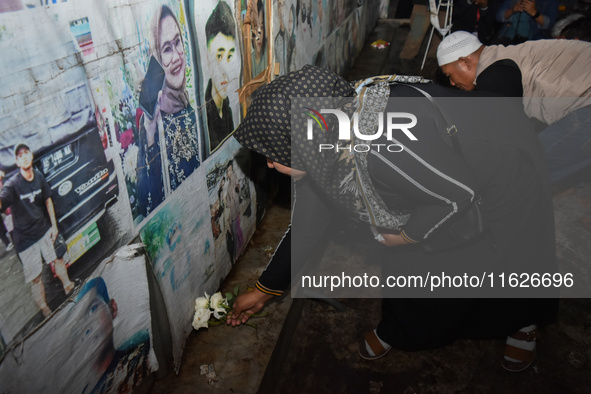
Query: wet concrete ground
x=313, y=348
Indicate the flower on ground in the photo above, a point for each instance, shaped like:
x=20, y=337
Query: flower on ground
x=219, y=305
x=201, y=318
x=202, y=302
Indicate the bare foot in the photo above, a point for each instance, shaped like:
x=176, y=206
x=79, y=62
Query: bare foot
x=68, y=289
x=46, y=311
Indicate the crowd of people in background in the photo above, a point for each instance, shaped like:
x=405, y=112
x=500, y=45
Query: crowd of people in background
x=511, y=67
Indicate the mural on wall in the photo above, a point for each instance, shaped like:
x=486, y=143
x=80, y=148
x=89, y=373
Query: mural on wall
x=59, y=180
x=285, y=35
x=256, y=19
x=231, y=206
x=180, y=248
x=280, y=34
x=216, y=30
x=100, y=342
x=259, y=40
x=122, y=111
x=80, y=28
x=153, y=104
x=320, y=21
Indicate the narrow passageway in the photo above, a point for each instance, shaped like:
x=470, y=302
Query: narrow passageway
x=312, y=347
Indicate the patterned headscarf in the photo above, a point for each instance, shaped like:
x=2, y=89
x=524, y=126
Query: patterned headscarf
x=341, y=175
x=267, y=126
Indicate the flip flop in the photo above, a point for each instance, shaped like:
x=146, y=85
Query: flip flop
x=374, y=343
x=524, y=357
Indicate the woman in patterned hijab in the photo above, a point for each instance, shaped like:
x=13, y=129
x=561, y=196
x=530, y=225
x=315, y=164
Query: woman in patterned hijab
x=267, y=127
x=424, y=186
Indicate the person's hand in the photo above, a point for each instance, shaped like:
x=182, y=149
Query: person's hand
x=246, y=305
x=529, y=6
x=393, y=240
x=2, y=175
x=517, y=7
x=53, y=232
x=151, y=126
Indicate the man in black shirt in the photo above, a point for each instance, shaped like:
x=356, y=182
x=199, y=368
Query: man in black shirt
x=29, y=197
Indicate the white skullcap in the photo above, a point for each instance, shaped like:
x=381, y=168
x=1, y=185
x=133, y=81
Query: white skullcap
x=457, y=45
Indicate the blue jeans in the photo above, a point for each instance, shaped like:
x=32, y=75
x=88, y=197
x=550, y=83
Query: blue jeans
x=567, y=144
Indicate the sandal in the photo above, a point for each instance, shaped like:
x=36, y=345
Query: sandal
x=376, y=347
x=524, y=357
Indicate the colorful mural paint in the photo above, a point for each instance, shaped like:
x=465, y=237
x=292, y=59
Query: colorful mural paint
x=230, y=202
x=115, y=121
x=100, y=342
x=216, y=30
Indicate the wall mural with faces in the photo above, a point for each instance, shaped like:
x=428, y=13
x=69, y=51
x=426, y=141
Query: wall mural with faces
x=127, y=108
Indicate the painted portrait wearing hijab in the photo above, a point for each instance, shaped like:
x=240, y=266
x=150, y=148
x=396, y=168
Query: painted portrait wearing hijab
x=168, y=140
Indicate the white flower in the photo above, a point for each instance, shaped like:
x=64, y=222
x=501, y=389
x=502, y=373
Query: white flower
x=201, y=318
x=202, y=302
x=218, y=303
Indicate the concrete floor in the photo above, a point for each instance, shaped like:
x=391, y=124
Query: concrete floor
x=308, y=346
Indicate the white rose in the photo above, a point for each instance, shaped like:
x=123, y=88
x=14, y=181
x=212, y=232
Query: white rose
x=202, y=302
x=201, y=318
x=218, y=304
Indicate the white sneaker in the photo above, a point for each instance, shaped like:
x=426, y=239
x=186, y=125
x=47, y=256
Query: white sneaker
x=9, y=247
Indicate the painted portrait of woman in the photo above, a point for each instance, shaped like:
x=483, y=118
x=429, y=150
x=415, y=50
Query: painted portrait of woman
x=168, y=140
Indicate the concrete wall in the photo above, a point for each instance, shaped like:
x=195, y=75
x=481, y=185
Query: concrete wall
x=78, y=89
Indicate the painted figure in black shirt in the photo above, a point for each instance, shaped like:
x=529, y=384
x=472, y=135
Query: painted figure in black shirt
x=35, y=226
x=221, y=54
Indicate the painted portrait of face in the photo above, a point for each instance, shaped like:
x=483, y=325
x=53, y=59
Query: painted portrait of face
x=220, y=34
x=24, y=158
x=221, y=56
x=171, y=49
x=96, y=332
x=259, y=36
